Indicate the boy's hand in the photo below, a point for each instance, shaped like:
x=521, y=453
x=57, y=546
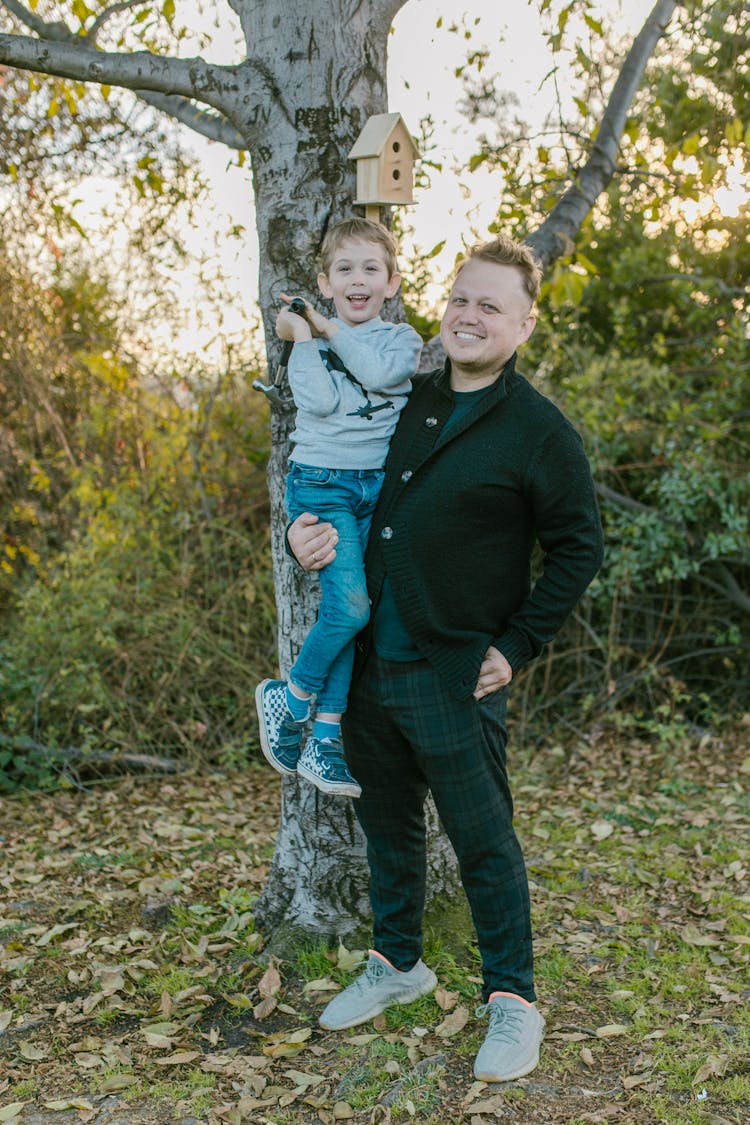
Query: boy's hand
x=319, y=324
x=292, y=326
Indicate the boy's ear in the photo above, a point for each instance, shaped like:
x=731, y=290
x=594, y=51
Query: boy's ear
x=391, y=288
x=324, y=285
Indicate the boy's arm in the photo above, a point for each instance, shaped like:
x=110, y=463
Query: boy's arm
x=313, y=387
x=382, y=358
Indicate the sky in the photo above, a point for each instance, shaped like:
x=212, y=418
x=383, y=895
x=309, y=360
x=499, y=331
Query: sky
x=455, y=208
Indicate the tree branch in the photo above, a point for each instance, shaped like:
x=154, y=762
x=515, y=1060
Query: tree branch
x=728, y=585
x=54, y=31
x=102, y=18
x=214, y=127
x=76, y=59
x=556, y=234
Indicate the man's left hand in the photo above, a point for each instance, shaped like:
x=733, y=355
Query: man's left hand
x=494, y=673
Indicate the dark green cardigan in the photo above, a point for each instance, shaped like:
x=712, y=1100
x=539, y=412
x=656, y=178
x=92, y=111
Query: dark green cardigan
x=459, y=515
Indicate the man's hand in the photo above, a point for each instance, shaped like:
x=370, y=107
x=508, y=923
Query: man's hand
x=494, y=673
x=313, y=542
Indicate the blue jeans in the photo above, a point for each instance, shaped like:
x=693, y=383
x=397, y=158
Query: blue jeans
x=347, y=499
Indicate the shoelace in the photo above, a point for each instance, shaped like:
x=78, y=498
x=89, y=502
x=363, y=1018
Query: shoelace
x=503, y=1024
x=373, y=972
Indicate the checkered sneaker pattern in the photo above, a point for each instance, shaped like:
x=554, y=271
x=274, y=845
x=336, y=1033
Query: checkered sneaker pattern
x=280, y=733
x=323, y=764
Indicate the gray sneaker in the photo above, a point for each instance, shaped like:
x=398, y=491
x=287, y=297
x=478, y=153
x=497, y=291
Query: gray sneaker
x=280, y=732
x=511, y=1048
x=379, y=986
x=323, y=764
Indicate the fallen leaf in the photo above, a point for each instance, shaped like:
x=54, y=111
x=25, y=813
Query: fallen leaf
x=117, y=1082
x=31, y=1053
x=8, y=1112
x=270, y=983
x=324, y=984
x=691, y=935
x=348, y=959
x=87, y=1060
x=68, y=1103
x=493, y=1105
x=47, y=937
x=453, y=1023
x=179, y=1058
x=633, y=1080
x=301, y=1078
x=611, y=1030
x=445, y=1000
x=265, y=1007
x=601, y=829
x=715, y=1066
x=342, y=1111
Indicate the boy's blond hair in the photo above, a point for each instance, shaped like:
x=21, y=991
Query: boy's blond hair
x=505, y=251
x=360, y=230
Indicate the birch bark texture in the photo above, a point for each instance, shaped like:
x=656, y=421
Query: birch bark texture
x=310, y=75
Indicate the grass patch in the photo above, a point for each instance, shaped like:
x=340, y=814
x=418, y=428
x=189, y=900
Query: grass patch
x=639, y=907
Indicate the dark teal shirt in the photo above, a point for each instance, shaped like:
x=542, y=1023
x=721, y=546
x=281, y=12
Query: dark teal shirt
x=390, y=636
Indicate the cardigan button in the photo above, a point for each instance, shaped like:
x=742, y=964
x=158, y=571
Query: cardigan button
x=430, y=422
x=386, y=533
x=406, y=475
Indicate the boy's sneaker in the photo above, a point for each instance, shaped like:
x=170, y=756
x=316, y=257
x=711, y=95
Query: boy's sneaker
x=323, y=764
x=379, y=986
x=280, y=732
x=511, y=1048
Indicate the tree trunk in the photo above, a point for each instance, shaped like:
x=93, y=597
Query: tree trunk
x=315, y=86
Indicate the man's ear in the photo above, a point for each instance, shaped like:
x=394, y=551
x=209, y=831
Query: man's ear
x=527, y=328
x=391, y=288
x=324, y=285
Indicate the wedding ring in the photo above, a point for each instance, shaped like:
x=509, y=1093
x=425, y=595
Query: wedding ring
x=315, y=556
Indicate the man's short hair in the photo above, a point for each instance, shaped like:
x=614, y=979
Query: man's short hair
x=361, y=230
x=505, y=251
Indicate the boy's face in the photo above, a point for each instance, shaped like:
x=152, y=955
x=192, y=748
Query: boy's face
x=358, y=281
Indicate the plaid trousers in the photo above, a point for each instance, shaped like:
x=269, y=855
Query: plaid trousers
x=404, y=735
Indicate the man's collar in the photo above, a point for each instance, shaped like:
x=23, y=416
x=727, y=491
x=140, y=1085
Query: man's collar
x=503, y=381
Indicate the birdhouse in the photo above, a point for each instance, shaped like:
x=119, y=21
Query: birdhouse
x=385, y=153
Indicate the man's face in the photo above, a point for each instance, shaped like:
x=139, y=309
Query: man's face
x=358, y=281
x=487, y=318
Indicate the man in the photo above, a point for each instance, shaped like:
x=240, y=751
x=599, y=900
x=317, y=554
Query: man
x=481, y=466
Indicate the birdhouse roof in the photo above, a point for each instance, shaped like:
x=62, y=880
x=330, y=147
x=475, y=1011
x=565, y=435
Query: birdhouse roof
x=376, y=134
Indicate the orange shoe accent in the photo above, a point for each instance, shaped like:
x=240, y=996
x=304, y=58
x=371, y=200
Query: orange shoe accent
x=528, y=1003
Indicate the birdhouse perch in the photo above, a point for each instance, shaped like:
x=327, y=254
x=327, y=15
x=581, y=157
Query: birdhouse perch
x=385, y=153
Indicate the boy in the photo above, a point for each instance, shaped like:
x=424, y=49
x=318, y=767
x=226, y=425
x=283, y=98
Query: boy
x=350, y=377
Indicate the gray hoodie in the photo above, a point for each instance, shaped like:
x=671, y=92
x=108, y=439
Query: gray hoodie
x=349, y=392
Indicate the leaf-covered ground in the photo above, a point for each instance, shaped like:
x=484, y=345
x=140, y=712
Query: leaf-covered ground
x=134, y=990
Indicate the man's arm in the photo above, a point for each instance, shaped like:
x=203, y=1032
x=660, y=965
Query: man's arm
x=569, y=531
